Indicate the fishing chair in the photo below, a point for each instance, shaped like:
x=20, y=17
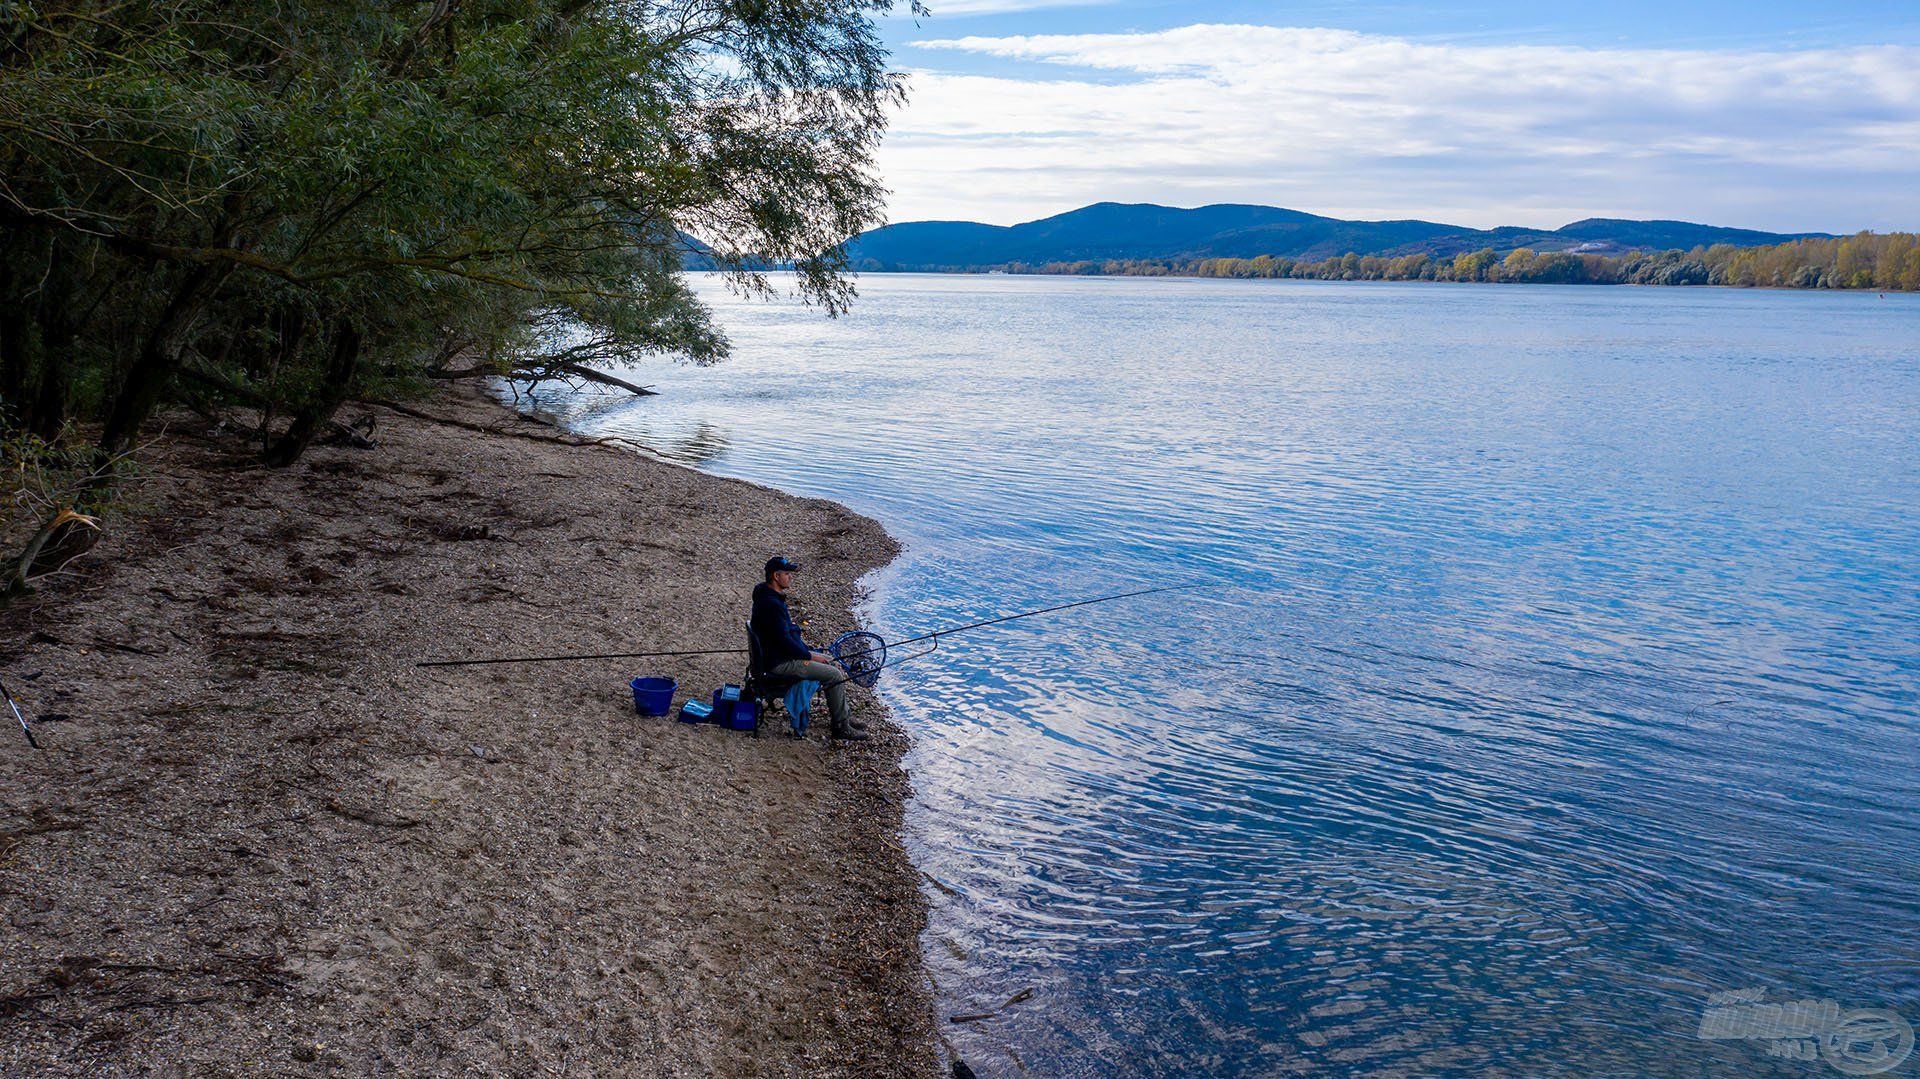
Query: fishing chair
x=761, y=686
x=861, y=655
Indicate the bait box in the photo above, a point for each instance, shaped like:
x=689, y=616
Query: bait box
x=695, y=712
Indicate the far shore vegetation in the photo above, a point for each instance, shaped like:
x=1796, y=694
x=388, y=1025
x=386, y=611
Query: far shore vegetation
x=1886, y=262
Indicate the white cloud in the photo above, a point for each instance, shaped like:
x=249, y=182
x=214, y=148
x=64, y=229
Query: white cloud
x=1369, y=126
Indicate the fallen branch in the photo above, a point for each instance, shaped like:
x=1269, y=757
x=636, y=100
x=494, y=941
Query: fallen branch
x=103, y=644
x=585, y=374
x=65, y=537
x=158, y=1002
x=590, y=375
x=466, y=425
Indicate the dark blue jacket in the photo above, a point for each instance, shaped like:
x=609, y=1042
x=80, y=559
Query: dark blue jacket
x=773, y=627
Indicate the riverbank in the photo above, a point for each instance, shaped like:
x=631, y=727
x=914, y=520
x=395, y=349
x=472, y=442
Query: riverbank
x=261, y=839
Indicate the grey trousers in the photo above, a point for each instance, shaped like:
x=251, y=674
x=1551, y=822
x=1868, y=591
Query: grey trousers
x=832, y=679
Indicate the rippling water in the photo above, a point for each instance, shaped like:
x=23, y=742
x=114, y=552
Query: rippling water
x=1561, y=670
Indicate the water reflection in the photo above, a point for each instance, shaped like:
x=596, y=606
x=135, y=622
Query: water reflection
x=695, y=442
x=705, y=443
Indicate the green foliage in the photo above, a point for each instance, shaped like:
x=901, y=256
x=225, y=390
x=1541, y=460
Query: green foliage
x=246, y=188
x=1887, y=262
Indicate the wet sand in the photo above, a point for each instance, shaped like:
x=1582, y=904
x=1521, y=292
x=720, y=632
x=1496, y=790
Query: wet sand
x=259, y=839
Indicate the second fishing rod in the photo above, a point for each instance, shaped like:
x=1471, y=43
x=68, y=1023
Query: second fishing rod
x=846, y=658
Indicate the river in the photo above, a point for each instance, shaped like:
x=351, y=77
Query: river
x=1559, y=665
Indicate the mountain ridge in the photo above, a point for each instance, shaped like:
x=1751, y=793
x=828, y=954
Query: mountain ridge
x=1114, y=230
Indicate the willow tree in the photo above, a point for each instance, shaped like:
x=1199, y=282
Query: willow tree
x=300, y=202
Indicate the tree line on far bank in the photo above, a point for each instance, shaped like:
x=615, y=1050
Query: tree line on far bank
x=1887, y=262
x=269, y=209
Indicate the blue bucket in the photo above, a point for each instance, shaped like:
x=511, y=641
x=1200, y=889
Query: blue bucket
x=653, y=696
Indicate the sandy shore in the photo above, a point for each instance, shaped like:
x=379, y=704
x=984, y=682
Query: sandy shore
x=260, y=839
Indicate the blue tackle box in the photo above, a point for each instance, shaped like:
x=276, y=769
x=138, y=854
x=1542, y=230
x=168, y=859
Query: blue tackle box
x=733, y=712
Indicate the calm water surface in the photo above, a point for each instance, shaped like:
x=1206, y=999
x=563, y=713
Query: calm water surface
x=1562, y=669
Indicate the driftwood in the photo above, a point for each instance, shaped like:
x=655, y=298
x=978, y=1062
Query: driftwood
x=975, y=1017
x=66, y=536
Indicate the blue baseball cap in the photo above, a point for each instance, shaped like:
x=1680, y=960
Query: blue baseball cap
x=781, y=562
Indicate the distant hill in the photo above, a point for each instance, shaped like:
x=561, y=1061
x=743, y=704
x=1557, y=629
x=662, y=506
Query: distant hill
x=1111, y=230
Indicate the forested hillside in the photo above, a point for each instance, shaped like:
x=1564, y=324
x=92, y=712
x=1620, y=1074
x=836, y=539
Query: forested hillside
x=1888, y=262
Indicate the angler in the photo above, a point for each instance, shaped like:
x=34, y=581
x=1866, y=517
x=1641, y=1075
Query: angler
x=788, y=656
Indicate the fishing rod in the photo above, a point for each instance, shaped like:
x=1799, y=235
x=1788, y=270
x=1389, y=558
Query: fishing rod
x=863, y=655
x=938, y=633
x=601, y=655
x=28, y=731
x=878, y=645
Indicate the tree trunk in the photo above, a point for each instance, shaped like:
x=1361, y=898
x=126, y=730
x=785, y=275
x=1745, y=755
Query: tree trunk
x=59, y=327
x=14, y=361
x=160, y=355
x=290, y=328
x=158, y=359
x=333, y=390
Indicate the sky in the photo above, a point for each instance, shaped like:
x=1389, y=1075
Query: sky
x=1783, y=116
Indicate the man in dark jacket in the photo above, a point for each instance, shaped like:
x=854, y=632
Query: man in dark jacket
x=786, y=655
